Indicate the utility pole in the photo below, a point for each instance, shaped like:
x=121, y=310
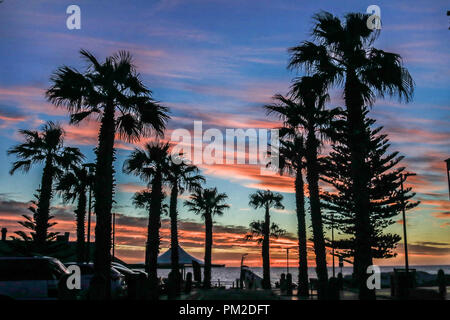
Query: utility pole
x=287, y=260
x=448, y=175
x=403, y=177
x=88, y=256
x=113, y=235
x=332, y=242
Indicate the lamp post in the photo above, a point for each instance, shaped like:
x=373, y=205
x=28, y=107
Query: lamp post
x=88, y=255
x=287, y=260
x=113, y=235
x=403, y=177
x=448, y=175
x=332, y=242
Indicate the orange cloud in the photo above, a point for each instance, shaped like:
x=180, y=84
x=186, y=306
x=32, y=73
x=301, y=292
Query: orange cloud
x=250, y=176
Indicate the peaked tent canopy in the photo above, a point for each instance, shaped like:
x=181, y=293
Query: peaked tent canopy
x=184, y=258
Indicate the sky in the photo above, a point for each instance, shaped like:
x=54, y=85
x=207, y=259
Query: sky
x=220, y=62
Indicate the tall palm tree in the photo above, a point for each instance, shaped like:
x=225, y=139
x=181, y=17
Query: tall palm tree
x=266, y=200
x=113, y=92
x=151, y=164
x=305, y=111
x=46, y=147
x=207, y=203
x=292, y=153
x=73, y=185
x=343, y=54
x=182, y=177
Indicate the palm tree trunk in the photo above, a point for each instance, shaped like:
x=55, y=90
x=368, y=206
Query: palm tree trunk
x=153, y=240
x=301, y=232
x=103, y=193
x=316, y=215
x=174, y=234
x=81, y=217
x=266, y=250
x=43, y=209
x=357, y=138
x=208, y=250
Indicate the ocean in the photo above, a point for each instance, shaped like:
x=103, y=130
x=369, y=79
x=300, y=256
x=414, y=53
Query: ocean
x=229, y=274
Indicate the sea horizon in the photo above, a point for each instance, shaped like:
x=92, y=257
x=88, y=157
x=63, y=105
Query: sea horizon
x=226, y=275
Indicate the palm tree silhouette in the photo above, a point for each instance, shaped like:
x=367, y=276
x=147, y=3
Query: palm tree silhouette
x=182, y=177
x=291, y=155
x=46, y=147
x=151, y=164
x=73, y=185
x=343, y=54
x=305, y=112
x=207, y=203
x=266, y=200
x=113, y=92
x=257, y=231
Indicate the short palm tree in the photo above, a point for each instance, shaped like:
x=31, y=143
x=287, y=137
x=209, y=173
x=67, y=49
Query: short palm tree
x=305, y=112
x=292, y=162
x=207, y=203
x=113, y=93
x=44, y=147
x=257, y=231
x=343, y=54
x=182, y=177
x=151, y=164
x=266, y=200
x=73, y=185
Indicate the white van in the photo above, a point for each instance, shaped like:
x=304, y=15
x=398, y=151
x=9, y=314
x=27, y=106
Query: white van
x=30, y=278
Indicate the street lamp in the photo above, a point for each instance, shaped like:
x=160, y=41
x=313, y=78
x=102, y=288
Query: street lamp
x=403, y=177
x=448, y=175
x=332, y=242
x=113, y=235
x=91, y=171
x=287, y=260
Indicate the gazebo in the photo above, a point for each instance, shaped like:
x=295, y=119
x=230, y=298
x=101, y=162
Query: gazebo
x=184, y=259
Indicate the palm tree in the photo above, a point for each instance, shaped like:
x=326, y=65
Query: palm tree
x=266, y=200
x=113, y=92
x=151, y=164
x=292, y=153
x=257, y=231
x=73, y=185
x=182, y=177
x=305, y=112
x=207, y=203
x=46, y=147
x=343, y=54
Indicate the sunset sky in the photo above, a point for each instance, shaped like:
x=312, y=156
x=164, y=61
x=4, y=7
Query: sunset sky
x=220, y=62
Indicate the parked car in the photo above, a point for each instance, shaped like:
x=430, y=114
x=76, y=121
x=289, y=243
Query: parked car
x=30, y=278
x=136, y=280
x=131, y=277
x=120, y=267
x=118, y=281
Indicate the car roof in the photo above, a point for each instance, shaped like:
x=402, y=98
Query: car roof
x=28, y=258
